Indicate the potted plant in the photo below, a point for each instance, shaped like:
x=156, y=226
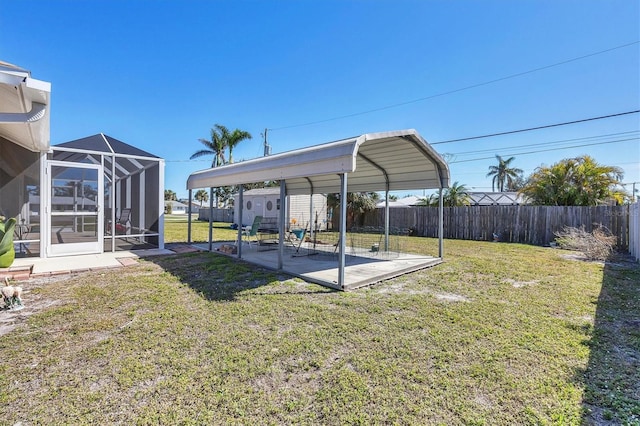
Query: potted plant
x=7, y=251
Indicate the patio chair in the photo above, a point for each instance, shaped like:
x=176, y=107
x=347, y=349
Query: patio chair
x=252, y=231
x=121, y=222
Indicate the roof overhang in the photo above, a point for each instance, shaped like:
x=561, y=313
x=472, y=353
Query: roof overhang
x=24, y=108
x=398, y=160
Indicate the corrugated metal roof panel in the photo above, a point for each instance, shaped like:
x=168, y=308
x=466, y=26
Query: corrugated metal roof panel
x=403, y=157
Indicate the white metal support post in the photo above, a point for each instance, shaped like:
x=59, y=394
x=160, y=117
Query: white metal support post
x=343, y=229
x=440, y=224
x=45, y=205
x=311, y=219
x=386, y=219
x=281, y=222
x=161, y=166
x=189, y=219
x=211, y=219
x=114, y=203
x=239, y=207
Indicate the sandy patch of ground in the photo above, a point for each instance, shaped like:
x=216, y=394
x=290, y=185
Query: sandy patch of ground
x=32, y=302
x=519, y=284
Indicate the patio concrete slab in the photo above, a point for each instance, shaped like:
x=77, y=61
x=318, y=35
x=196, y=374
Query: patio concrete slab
x=81, y=263
x=321, y=267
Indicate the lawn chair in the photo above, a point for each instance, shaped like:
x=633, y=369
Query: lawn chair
x=252, y=231
x=121, y=222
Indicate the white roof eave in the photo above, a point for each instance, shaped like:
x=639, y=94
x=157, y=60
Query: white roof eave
x=24, y=110
x=396, y=160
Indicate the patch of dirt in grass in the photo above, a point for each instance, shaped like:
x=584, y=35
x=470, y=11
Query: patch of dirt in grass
x=450, y=297
x=402, y=287
x=392, y=288
x=32, y=301
x=520, y=284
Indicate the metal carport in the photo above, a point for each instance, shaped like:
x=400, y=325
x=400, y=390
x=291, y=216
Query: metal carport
x=387, y=161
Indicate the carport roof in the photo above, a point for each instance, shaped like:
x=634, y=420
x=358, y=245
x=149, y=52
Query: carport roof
x=397, y=160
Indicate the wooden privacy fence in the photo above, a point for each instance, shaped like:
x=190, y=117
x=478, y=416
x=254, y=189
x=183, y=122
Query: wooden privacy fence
x=219, y=215
x=518, y=224
x=634, y=230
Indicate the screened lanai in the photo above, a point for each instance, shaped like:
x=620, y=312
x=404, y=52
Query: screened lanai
x=105, y=193
x=86, y=196
x=389, y=161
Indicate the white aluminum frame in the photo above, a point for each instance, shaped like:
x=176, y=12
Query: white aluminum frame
x=65, y=249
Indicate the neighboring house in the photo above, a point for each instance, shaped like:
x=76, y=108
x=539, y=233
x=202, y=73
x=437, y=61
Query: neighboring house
x=265, y=202
x=195, y=206
x=402, y=202
x=176, y=207
x=496, y=199
x=67, y=197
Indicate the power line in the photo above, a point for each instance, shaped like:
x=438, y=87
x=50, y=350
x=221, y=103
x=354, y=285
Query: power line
x=473, y=86
x=564, y=141
x=547, y=150
x=537, y=128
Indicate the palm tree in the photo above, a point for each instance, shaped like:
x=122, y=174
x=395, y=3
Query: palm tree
x=431, y=200
x=234, y=138
x=579, y=181
x=215, y=146
x=202, y=196
x=456, y=195
x=358, y=203
x=503, y=173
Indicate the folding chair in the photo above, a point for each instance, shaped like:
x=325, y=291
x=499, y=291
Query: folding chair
x=121, y=222
x=252, y=231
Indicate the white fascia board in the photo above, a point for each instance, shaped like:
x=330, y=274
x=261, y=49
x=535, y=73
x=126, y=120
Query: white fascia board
x=33, y=131
x=42, y=86
x=335, y=158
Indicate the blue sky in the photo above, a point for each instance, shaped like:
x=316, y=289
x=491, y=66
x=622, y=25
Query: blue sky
x=159, y=74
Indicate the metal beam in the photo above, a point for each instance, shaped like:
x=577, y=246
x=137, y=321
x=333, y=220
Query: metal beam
x=343, y=229
x=211, y=219
x=281, y=222
x=240, y=207
x=189, y=219
x=440, y=224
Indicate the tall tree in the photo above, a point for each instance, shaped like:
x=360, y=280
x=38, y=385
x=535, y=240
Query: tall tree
x=202, y=196
x=358, y=203
x=169, y=195
x=234, y=138
x=503, y=173
x=579, y=181
x=456, y=195
x=215, y=146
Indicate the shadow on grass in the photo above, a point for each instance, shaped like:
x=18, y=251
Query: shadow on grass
x=222, y=278
x=612, y=378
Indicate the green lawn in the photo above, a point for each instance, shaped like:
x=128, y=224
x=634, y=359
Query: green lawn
x=500, y=334
x=175, y=230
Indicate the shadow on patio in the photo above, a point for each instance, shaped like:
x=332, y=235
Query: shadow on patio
x=612, y=377
x=221, y=278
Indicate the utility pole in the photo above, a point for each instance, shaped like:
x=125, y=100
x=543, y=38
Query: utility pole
x=267, y=148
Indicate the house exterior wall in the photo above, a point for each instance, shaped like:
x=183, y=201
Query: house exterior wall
x=298, y=208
